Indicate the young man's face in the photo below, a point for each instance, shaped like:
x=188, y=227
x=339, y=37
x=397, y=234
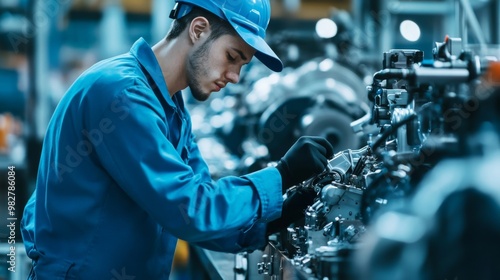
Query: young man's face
x=212, y=64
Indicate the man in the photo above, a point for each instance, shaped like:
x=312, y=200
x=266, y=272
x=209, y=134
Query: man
x=121, y=177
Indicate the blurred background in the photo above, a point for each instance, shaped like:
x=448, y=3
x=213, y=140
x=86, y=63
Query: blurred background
x=330, y=49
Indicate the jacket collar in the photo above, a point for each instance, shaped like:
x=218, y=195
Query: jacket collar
x=144, y=54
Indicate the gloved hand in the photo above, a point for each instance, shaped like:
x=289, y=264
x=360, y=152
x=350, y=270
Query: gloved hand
x=293, y=210
x=307, y=157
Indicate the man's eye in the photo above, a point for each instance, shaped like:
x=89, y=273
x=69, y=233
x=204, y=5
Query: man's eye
x=230, y=58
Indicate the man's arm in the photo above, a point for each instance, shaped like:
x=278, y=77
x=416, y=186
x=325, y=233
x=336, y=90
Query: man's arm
x=139, y=157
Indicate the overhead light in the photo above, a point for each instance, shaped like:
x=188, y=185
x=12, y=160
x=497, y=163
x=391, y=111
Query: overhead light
x=409, y=30
x=326, y=28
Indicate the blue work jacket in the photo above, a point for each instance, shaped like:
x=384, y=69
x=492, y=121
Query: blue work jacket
x=121, y=178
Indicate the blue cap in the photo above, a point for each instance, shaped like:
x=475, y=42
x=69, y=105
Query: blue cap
x=249, y=18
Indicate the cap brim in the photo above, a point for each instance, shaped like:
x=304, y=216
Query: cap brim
x=264, y=53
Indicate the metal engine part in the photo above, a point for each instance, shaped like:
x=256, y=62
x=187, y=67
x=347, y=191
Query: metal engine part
x=414, y=116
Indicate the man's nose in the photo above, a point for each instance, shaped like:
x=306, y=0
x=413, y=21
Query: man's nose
x=233, y=76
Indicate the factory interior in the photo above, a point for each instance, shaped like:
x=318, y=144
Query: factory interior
x=407, y=92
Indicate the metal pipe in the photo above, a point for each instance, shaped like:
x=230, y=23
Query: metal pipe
x=462, y=23
x=440, y=76
x=473, y=22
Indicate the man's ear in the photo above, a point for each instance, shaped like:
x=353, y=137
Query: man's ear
x=198, y=28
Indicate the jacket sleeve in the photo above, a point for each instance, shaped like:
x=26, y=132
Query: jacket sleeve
x=137, y=154
x=248, y=240
x=262, y=181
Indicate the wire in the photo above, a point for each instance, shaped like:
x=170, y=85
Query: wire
x=391, y=129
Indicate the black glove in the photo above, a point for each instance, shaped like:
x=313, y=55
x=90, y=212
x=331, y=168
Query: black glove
x=307, y=157
x=293, y=209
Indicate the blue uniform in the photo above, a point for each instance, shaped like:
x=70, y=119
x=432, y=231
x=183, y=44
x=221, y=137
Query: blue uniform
x=121, y=178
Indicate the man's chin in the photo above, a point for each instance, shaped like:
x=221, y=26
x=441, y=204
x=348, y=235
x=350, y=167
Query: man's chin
x=201, y=96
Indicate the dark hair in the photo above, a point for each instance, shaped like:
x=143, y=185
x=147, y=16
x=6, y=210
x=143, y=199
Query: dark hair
x=218, y=26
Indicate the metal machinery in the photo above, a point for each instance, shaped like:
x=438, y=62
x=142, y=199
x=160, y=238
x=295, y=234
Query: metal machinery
x=422, y=113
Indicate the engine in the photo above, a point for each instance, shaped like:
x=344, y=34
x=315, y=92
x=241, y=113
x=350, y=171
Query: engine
x=422, y=113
